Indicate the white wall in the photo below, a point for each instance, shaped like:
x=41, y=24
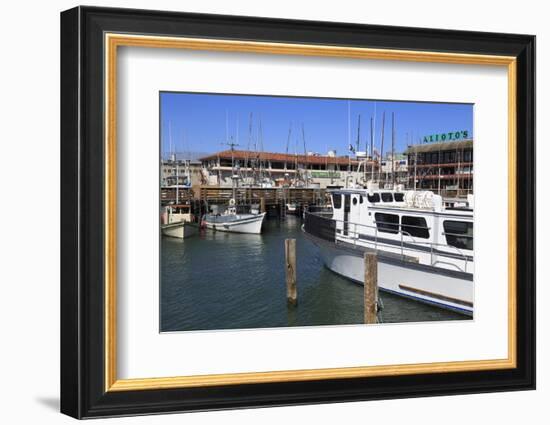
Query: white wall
x=29, y=224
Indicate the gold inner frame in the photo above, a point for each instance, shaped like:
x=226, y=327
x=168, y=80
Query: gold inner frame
x=113, y=41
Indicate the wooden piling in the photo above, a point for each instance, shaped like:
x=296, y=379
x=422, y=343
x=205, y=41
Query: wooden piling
x=262, y=204
x=290, y=260
x=371, y=287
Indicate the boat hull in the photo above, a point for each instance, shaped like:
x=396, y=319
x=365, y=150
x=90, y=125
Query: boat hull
x=180, y=230
x=431, y=285
x=251, y=223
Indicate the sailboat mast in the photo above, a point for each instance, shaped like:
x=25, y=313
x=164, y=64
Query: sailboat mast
x=247, y=164
x=358, y=133
x=357, y=144
x=371, y=148
x=232, y=144
x=232, y=172
x=287, y=143
x=415, y=162
x=173, y=159
x=382, y=145
x=350, y=147
x=305, y=155
x=393, y=150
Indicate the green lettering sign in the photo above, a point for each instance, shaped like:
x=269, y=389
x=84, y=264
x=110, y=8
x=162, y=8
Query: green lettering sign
x=446, y=137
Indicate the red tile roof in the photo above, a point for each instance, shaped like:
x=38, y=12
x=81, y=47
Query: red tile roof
x=272, y=156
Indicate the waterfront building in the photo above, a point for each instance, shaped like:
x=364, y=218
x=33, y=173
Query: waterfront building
x=445, y=168
x=283, y=169
x=181, y=172
x=394, y=169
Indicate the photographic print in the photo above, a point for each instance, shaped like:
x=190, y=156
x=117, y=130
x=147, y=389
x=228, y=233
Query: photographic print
x=293, y=211
x=301, y=194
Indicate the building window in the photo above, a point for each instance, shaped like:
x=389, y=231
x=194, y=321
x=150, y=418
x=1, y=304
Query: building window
x=388, y=223
x=387, y=197
x=415, y=226
x=374, y=198
x=337, y=201
x=459, y=234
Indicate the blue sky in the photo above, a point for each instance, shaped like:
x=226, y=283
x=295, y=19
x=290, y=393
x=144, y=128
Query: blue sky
x=200, y=122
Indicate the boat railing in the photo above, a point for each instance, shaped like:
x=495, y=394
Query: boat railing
x=325, y=227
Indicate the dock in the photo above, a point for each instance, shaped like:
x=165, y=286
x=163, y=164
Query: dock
x=272, y=200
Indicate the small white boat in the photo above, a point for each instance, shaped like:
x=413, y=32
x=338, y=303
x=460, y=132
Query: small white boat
x=291, y=208
x=176, y=222
x=180, y=229
x=231, y=221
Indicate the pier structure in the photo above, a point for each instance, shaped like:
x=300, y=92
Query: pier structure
x=273, y=200
x=183, y=195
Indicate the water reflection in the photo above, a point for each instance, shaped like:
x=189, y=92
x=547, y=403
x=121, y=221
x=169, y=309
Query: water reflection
x=222, y=280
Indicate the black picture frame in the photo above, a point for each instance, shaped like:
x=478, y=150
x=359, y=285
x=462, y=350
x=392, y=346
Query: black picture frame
x=83, y=392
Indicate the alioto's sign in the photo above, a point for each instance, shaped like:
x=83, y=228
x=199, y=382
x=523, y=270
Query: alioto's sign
x=446, y=137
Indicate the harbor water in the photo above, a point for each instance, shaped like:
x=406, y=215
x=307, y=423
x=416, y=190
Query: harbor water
x=219, y=280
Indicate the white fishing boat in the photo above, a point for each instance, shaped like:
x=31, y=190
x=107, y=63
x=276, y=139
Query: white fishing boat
x=231, y=221
x=176, y=222
x=180, y=229
x=424, y=250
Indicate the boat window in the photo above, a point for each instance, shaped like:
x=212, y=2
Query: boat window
x=375, y=197
x=415, y=226
x=360, y=199
x=399, y=197
x=387, y=197
x=459, y=234
x=337, y=201
x=388, y=223
x=354, y=201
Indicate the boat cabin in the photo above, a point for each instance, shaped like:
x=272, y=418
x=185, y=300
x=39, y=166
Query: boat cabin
x=404, y=217
x=175, y=213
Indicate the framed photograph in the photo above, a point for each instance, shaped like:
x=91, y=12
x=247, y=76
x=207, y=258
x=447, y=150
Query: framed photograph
x=261, y=212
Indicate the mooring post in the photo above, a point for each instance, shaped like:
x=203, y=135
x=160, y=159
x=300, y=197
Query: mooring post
x=371, y=287
x=290, y=260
